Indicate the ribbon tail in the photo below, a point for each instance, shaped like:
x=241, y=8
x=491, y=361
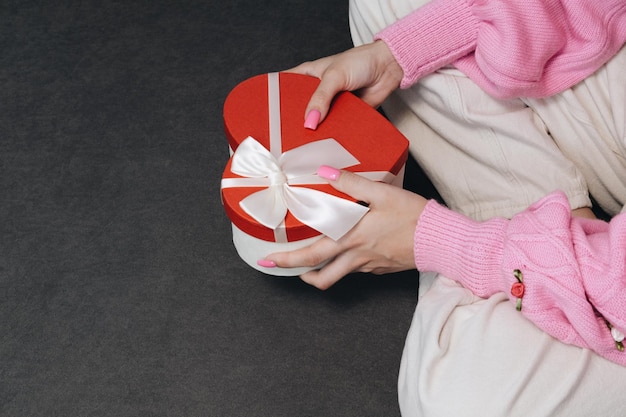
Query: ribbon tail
x=330, y=215
x=267, y=207
x=307, y=158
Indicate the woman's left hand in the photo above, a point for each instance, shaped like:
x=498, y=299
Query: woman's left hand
x=382, y=242
x=370, y=70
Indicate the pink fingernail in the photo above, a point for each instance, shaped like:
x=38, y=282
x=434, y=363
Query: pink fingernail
x=328, y=173
x=266, y=263
x=312, y=119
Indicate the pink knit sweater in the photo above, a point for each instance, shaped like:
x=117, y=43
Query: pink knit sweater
x=514, y=48
x=573, y=269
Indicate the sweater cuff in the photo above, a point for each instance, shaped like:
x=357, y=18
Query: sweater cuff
x=435, y=35
x=462, y=249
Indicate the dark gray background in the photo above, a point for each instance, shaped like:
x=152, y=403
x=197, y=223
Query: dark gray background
x=120, y=291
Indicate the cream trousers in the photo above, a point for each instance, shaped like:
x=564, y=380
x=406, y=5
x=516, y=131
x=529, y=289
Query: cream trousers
x=466, y=356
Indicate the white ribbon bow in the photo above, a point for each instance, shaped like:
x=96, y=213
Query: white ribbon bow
x=330, y=215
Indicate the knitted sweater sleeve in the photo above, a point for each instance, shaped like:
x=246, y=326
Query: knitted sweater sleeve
x=530, y=48
x=573, y=269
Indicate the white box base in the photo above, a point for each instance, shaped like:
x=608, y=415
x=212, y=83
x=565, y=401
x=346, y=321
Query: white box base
x=251, y=249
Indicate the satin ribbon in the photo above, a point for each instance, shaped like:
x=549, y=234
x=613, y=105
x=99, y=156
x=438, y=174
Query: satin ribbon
x=282, y=172
x=330, y=215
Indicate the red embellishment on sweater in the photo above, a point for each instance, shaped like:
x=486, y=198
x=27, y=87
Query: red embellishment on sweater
x=517, y=289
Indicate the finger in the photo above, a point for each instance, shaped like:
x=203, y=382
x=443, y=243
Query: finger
x=332, y=272
x=312, y=68
x=330, y=85
x=306, y=68
x=374, y=96
x=310, y=256
x=356, y=186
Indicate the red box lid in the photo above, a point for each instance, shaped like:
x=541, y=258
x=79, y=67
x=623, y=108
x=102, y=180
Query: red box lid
x=359, y=128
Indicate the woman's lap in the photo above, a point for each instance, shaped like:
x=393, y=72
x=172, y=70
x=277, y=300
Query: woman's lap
x=465, y=355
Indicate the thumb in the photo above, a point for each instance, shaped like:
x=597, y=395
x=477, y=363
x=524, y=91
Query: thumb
x=319, y=104
x=356, y=186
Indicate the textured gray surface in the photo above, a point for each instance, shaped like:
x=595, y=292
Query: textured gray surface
x=120, y=291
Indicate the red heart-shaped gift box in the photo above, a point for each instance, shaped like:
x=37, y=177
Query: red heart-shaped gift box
x=270, y=109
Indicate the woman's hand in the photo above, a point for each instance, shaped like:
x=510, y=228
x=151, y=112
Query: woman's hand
x=382, y=242
x=370, y=70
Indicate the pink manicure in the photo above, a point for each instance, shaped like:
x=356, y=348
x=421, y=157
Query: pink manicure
x=312, y=119
x=266, y=263
x=329, y=173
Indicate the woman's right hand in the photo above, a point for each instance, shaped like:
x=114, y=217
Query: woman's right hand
x=380, y=243
x=370, y=70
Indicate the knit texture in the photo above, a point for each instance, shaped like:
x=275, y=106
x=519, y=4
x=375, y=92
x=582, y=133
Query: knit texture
x=435, y=35
x=531, y=48
x=574, y=270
